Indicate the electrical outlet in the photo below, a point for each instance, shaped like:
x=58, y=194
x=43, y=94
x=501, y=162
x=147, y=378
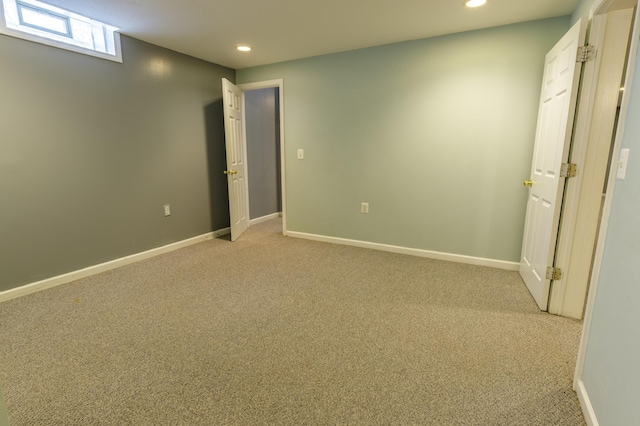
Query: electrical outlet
x=364, y=208
x=167, y=210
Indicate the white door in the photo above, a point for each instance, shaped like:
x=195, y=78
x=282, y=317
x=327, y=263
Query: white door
x=236, y=158
x=553, y=137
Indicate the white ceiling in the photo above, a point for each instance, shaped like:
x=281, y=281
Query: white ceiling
x=280, y=30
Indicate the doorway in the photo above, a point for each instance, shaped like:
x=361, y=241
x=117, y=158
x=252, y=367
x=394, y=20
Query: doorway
x=602, y=8
x=594, y=131
x=265, y=150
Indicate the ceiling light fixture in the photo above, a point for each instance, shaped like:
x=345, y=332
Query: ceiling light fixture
x=474, y=3
x=243, y=48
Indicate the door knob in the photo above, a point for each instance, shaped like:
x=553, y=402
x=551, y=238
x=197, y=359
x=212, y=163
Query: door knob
x=528, y=183
x=230, y=172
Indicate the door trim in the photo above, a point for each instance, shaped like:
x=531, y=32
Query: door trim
x=279, y=84
x=597, y=263
x=591, y=146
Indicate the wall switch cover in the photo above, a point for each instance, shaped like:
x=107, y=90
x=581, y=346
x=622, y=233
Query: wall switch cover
x=622, y=164
x=167, y=210
x=300, y=154
x=364, y=208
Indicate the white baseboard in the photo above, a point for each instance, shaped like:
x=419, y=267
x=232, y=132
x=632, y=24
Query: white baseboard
x=221, y=232
x=585, y=403
x=106, y=266
x=492, y=263
x=102, y=267
x=264, y=218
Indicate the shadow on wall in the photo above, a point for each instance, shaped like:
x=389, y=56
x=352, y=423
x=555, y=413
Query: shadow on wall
x=217, y=163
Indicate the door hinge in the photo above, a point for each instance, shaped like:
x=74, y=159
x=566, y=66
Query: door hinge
x=568, y=170
x=554, y=274
x=586, y=53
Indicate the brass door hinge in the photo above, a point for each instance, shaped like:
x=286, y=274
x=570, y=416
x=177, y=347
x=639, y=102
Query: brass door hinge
x=586, y=53
x=554, y=274
x=568, y=170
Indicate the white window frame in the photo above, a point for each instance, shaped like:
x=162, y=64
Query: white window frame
x=100, y=40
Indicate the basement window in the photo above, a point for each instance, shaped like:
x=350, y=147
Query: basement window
x=43, y=23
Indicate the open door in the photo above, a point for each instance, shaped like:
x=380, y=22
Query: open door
x=551, y=150
x=236, y=158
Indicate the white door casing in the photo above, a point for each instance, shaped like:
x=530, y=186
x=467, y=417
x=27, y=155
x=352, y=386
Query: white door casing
x=609, y=35
x=601, y=7
x=236, y=148
x=551, y=149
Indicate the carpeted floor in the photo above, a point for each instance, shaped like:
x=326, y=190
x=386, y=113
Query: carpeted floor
x=271, y=330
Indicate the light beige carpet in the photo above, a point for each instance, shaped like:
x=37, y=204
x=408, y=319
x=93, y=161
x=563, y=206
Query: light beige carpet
x=272, y=330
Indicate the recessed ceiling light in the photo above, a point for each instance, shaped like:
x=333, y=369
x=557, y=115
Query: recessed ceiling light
x=243, y=48
x=474, y=3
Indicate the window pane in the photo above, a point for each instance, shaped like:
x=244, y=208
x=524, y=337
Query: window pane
x=43, y=23
x=99, y=38
x=82, y=33
x=44, y=20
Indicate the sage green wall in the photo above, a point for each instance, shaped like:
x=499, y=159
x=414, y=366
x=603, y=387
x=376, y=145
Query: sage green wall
x=582, y=10
x=91, y=150
x=612, y=358
x=436, y=135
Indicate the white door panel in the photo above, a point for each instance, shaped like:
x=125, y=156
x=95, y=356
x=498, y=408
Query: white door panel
x=553, y=138
x=236, y=158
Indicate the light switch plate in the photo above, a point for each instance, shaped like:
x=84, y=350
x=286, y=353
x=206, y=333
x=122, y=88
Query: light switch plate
x=300, y=154
x=622, y=164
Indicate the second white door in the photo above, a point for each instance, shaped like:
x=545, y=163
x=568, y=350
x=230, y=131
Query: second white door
x=235, y=144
